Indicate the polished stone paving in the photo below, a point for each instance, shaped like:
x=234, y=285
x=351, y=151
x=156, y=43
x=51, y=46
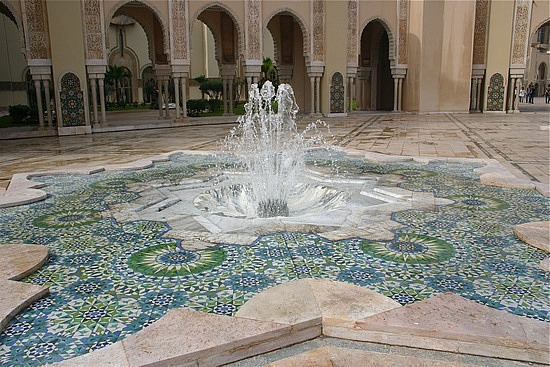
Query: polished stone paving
x=103, y=289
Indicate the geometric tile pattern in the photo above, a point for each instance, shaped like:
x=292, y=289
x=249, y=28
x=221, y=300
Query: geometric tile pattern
x=72, y=101
x=495, y=93
x=337, y=94
x=108, y=279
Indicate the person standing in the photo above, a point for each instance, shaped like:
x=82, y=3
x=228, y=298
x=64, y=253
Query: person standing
x=547, y=94
x=521, y=94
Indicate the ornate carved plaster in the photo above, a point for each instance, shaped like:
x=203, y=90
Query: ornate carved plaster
x=178, y=17
x=36, y=35
x=403, y=31
x=253, y=30
x=521, y=32
x=352, y=31
x=318, y=36
x=480, y=31
x=94, y=38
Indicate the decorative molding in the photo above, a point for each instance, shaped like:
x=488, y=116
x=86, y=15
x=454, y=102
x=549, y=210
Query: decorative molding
x=178, y=24
x=521, y=32
x=318, y=30
x=480, y=31
x=94, y=31
x=353, y=9
x=253, y=30
x=403, y=31
x=36, y=35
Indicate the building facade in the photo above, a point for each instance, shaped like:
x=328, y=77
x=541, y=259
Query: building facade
x=339, y=56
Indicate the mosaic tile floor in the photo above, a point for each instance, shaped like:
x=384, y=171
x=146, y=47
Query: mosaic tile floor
x=110, y=279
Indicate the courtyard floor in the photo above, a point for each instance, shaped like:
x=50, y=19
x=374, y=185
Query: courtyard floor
x=483, y=261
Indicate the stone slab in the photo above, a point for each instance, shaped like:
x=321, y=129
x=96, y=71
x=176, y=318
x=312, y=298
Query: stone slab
x=345, y=357
x=15, y=297
x=183, y=336
x=289, y=303
x=19, y=260
x=339, y=300
x=536, y=234
x=450, y=322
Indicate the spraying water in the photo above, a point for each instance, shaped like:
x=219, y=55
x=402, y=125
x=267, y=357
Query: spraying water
x=269, y=147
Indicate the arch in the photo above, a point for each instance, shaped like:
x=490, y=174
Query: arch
x=155, y=11
x=495, y=93
x=375, y=64
x=537, y=28
x=391, y=38
x=305, y=34
x=542, y=71
x=8, y=10
x=236, y=24
x=71, y=100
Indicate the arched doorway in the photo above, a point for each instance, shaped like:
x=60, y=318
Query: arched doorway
x=14, y=89
x=223, y=29
x=289, y=40
x=537, y=73
x=376, y=85
x=137, y=39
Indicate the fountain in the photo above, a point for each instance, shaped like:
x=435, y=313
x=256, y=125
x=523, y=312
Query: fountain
x=270, y=149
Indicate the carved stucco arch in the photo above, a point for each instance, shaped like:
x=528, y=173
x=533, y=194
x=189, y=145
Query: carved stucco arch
x=158, y=15
x=236, y=23
x=535, y=30
x=18, y=23
x=391, y=38
x=305, y=33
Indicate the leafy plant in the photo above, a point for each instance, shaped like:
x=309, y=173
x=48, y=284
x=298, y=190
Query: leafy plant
x=19, y=112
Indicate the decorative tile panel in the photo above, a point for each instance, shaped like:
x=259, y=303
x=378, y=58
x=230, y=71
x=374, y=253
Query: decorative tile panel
x=495, y=93
x=72, y=101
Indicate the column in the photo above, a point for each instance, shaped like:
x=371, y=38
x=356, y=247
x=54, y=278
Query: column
x=224, y=87
x=511, y=91
x=38, y=88
x=350, y=94
x=93, y=85
x=361, y=95
x=48, y=104
x=231, y=96
x=318, y=94
x=400, y=95
x=395, y=93
x=248, y=85
x=102, y=101
x=516, y=100
x=166, y=98
x=184, y=96
x=472, y=93
x=478, y=96
x=312, y=82
x=177, y=95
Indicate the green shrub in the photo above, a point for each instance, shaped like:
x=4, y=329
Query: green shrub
x=195, y=106
x=19, y=112
x=214, y=105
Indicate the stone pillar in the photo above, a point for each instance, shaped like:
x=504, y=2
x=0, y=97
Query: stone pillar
x=102, y=101
x=177, y=96
x=317, y=94
x=395, y=94
x=350, y=94
x=231, y=96
x=184, y=96
x=312, y=82
x=398, y=74
x=224, y=87
x=48, y=104
x=519, y=83
x=93, y=85
x=160, y=99
x=38, y=88
x=400, y=95
x=166, y=98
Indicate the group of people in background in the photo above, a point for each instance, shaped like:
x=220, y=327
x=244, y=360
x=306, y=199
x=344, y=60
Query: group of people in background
x=528, y=95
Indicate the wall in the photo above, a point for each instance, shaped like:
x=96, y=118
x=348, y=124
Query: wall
x=440, y=56
x=336, y=48
x=65, y=22
x=499, y=43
